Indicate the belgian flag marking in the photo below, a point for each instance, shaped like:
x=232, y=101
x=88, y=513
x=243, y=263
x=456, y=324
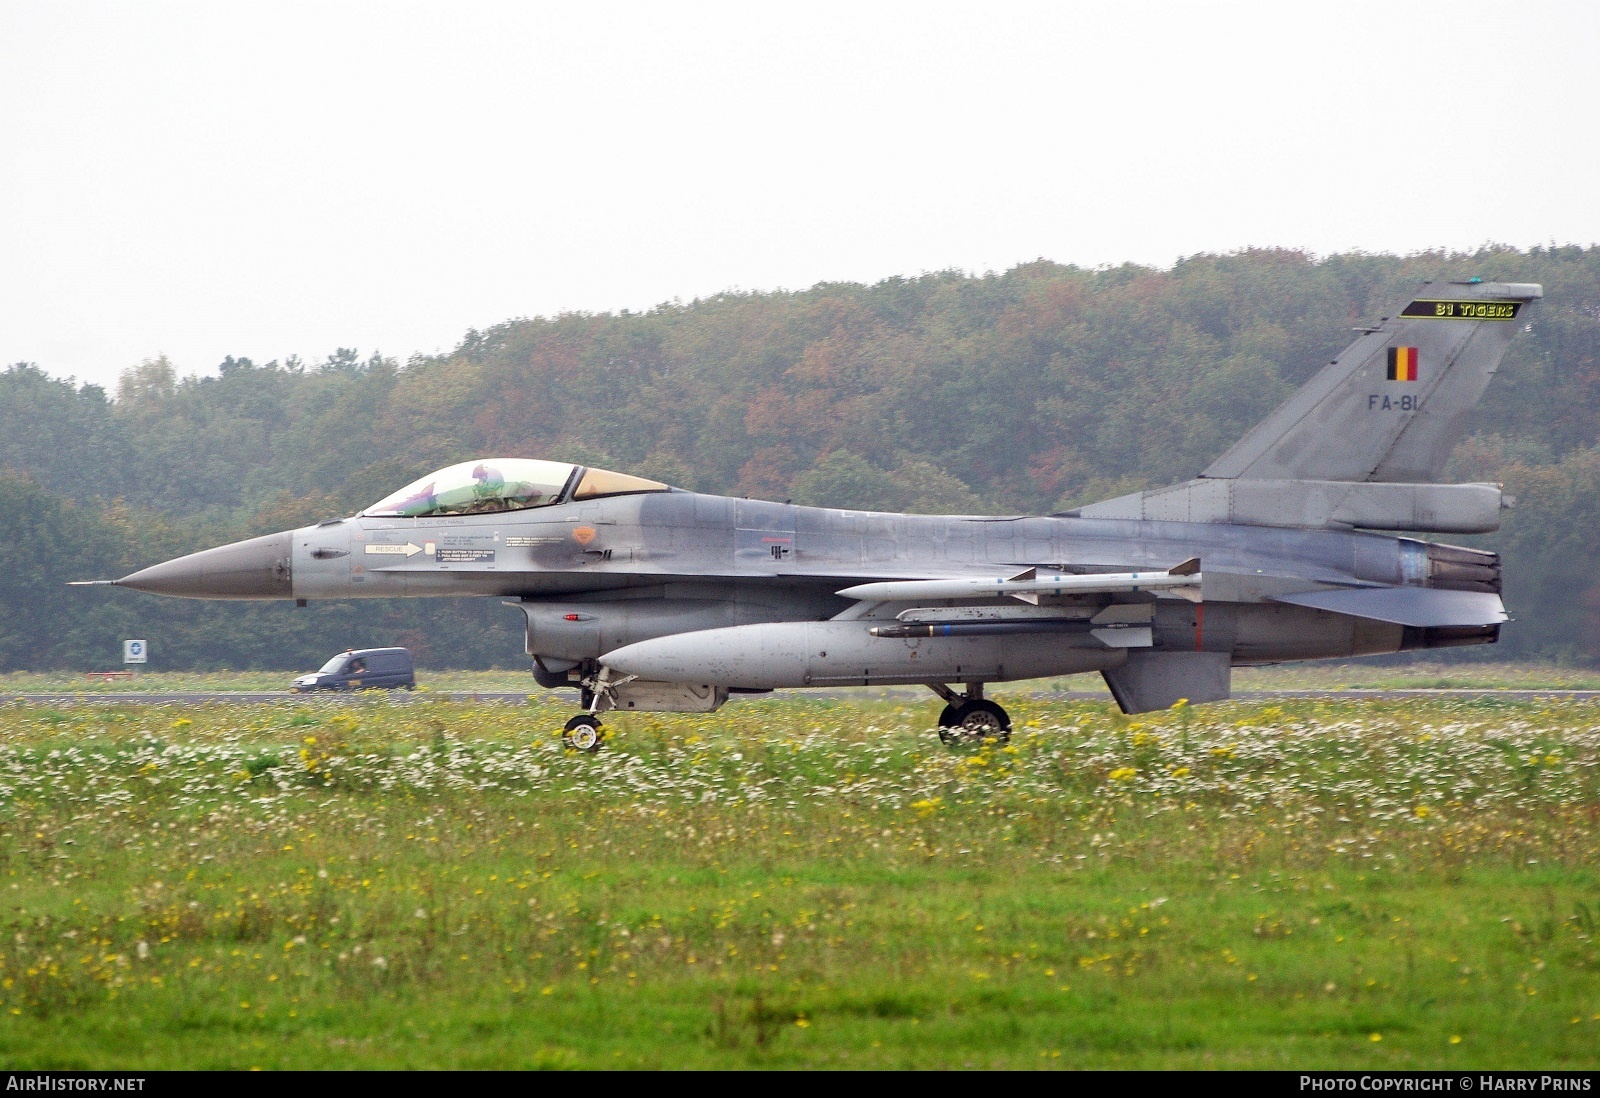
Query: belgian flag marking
x=1402, y=364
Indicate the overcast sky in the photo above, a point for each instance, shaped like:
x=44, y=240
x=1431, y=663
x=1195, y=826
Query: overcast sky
x=270, y=179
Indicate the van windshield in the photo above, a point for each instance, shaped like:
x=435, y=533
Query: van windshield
x=333, y=666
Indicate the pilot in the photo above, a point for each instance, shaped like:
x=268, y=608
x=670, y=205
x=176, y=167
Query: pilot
x=488, y=489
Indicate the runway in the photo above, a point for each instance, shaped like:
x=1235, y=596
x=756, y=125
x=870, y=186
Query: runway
x=515, y=697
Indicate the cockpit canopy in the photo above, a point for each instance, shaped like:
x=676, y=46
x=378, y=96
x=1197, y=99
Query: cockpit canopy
x=505, y=484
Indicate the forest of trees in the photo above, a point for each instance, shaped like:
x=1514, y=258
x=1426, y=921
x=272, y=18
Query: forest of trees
x=1029, y=391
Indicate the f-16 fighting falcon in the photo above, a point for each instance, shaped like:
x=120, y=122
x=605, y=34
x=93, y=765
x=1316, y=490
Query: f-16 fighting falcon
x=646, y=597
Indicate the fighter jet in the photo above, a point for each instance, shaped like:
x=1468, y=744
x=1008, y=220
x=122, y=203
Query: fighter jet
x=649, y=598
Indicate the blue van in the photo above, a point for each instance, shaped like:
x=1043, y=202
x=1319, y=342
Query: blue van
x=361, y=669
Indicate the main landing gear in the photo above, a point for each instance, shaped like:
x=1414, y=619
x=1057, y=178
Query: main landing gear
x=969, y=718
x=582, y=733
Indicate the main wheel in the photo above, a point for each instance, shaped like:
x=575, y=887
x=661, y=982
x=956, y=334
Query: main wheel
x=582, y=733
x=949, y=726
x=972, y=721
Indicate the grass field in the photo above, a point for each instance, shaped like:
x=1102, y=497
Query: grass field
x=800, y=882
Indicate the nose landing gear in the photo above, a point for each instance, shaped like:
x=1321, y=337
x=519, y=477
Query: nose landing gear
x=970, y=718
x=598, y=692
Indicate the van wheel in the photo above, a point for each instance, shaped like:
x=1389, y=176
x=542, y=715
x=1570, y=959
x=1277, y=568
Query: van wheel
x=411, y=686
x=582, y=733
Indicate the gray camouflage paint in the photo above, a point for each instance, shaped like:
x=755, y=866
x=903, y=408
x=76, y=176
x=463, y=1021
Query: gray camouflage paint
x=722, y=593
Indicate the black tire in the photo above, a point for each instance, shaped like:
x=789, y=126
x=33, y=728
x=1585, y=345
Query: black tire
x=582, y=733
x=949, y=732
x=974, y=722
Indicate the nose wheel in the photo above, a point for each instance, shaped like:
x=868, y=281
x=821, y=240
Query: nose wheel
x=970, y=718
x=582, y=733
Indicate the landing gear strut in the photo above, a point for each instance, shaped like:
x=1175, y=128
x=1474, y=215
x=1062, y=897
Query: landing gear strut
x=969, y=718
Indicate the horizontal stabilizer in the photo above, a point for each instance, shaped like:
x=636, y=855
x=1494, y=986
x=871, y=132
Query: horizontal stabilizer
x=1422, y=607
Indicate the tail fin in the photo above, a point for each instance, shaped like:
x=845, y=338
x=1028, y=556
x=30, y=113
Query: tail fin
x=1392, y=406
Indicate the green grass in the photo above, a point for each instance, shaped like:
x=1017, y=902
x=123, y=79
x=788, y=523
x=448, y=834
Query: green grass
x=794, y=882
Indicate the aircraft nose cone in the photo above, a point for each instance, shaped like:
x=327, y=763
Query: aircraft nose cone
x=253, y=569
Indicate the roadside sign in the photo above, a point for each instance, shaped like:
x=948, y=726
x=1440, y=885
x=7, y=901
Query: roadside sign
x=135, y=651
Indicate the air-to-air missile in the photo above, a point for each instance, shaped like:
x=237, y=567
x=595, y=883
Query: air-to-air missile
x=646, y=597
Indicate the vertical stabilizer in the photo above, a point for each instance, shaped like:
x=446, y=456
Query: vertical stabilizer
x=1395, y=402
